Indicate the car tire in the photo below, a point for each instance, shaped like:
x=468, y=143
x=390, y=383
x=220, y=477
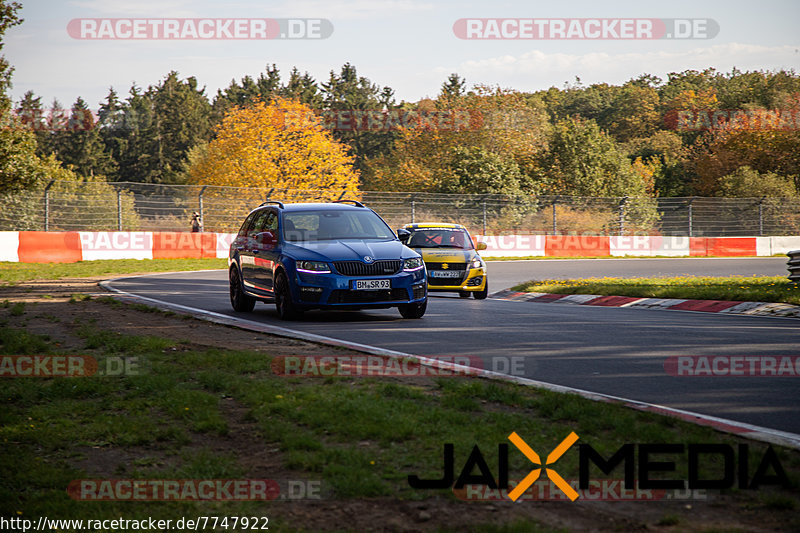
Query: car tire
x=481, y=295
x=413, y=310
x=240, y=301
x=283, y=299
x=464, y=294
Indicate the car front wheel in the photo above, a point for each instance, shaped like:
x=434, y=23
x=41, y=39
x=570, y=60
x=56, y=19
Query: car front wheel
x=481, y=295
x=413, y=310
x=239, y=300
x=283, y=300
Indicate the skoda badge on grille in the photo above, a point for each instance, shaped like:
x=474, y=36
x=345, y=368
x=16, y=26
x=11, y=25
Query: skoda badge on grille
x=368, y=259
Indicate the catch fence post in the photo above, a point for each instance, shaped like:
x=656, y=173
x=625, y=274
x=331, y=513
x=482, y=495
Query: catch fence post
x=622, y=215
x=119, y=210
x=555, y=219
x=484, y=215
x=47, y=205
x=200, y=202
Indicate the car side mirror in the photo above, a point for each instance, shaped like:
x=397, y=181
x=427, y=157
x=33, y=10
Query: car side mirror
x=403, y=235
x=266, y=238
x=480, y=246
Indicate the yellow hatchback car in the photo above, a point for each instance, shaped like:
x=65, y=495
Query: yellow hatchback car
x=452, y=261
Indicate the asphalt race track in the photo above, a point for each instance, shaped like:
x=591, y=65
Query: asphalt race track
x=615, y=351
x=505, y=274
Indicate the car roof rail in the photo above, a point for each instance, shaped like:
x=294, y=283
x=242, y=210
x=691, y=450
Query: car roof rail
x=354, y=202
x=269, y=202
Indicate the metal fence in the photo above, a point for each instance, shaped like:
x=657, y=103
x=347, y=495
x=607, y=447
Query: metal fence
x=123, y=206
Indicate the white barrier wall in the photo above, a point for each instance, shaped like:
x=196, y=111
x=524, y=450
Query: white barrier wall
x=782, y=245
x=512, y=245
x=9, y=246
x=224, y=241
x=116, y=245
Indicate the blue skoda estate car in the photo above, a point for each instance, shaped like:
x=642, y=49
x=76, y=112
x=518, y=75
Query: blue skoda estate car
x=339, y=255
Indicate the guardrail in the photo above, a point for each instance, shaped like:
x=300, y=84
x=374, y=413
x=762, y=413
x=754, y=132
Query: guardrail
x=794, y=265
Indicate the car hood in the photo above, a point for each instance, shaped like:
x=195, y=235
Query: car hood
x=349, y=250
x=446, y=255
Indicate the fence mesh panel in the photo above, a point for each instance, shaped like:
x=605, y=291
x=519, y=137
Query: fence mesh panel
x=124, y=206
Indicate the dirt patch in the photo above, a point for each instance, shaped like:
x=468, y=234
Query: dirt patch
x=49, y=311
x=243, y=439
x=53, y=308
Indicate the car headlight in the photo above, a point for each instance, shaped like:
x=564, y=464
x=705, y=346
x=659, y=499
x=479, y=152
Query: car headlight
x=314, y=267
x=477, y=262
x=415, y=263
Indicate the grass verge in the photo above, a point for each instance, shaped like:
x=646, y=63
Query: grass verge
x=738, y=288
x=11, y=273
x=360, y=437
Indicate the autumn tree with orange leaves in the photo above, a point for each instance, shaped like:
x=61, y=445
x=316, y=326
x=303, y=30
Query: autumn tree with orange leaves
x=278, y=149
x=279, y=145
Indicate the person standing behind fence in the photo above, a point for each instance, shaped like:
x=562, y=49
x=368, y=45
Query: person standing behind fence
x=196, y=222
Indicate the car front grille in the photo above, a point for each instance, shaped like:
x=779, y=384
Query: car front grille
x=450, y=266
x=433, y=282
x=378, y=268
x=343, y=296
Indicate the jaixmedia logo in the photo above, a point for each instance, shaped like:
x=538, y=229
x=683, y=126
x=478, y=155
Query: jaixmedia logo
x=645, y=466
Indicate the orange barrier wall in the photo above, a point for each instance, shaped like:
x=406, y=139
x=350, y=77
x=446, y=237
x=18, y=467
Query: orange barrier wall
x=723, y=246
x=731, y=246
x=179, y=245
x=49, y=247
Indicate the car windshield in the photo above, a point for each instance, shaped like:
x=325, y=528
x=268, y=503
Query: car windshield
x=440, y=238
x=327, y=225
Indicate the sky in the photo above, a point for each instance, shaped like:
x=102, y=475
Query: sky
x=408, y=45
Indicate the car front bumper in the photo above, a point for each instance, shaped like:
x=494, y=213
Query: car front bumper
x=474, y=281
x=332, y=290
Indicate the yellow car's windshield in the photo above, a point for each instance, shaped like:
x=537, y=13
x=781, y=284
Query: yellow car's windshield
x=440, y=238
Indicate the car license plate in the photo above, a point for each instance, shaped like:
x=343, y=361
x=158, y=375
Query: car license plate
x=444, y=274
x=372, y=284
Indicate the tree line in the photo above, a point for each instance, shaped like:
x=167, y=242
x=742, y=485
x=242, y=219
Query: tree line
x=679, y=136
